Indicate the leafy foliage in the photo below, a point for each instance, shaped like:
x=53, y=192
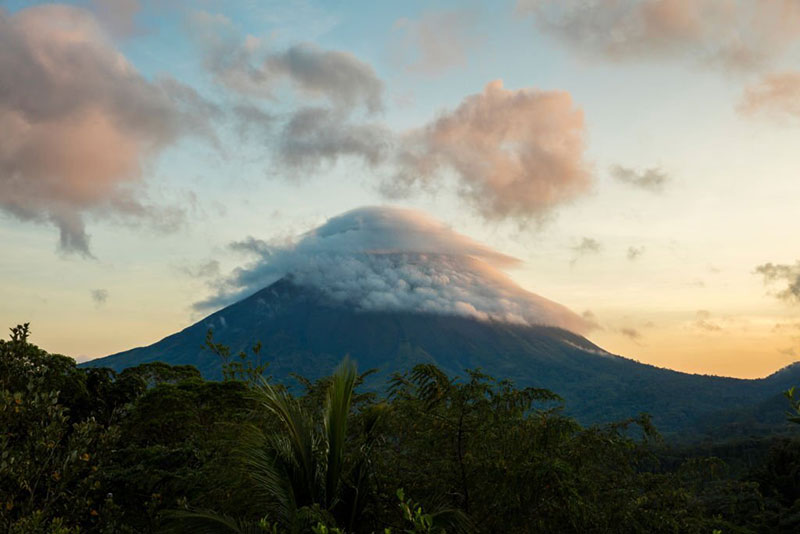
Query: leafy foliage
x=794, y=402
x=155, y=448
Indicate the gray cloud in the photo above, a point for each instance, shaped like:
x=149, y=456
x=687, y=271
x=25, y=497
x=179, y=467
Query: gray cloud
x=592, y=322
x=788, y=274
x=653, y=179
x=208, y=269
x=331, y=91
x=317, y=136
x=783, y=327
x=394, y=259
x=730, y=34
x=253, y=122
x=99, y=296
x=515, y=153
x=703, y=322
x=251, y=245
x=242, y=64
x=634, y=253
x=587, y=246
x=630, y=333
x=339, y=76
x=79, y=122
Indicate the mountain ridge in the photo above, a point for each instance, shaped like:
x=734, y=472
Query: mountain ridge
x=303, y=332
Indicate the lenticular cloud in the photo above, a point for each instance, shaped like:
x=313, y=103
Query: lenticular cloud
x=389, y=259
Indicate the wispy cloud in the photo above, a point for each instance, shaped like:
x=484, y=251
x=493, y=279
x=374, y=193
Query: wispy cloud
x=245, y=65
x=99, y=296
x=587, y=246
x=776, y=95
x=592, y=322
x=208, y=269
x=437, y=41
x=652, y=179
x=631, y=333
x=329, y=113
x=634, y=253
x=317, y=137
x=742, y=35
x=703, y=321
x=783, y=273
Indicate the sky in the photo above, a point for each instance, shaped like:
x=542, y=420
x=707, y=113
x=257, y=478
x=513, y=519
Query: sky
x=637, y=158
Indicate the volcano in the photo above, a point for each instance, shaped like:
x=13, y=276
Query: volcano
x=392, y=289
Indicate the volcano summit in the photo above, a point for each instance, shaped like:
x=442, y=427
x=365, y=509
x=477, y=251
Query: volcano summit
x=396, y=260
x=393, y=288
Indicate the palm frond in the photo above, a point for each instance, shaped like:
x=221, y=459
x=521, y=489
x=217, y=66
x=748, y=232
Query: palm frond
x=337, y=410
x=266, y=463
x=452, y=520
x=299, y=430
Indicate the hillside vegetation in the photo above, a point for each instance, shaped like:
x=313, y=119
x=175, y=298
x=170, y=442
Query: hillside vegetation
x=157, y=448
x=303, y=332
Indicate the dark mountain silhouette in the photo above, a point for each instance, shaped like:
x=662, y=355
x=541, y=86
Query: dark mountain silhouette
x=303, y=332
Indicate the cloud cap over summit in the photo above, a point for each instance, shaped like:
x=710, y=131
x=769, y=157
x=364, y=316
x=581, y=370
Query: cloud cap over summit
x=391, y=259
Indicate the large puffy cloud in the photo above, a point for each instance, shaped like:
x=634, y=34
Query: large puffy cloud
x=395, y=260
x=732, y=34
x=515, y=153
x=78, y=122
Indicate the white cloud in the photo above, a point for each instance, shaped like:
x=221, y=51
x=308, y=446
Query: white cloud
x=396, y=260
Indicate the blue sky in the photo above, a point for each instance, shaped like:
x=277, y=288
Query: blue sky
x=668, y=270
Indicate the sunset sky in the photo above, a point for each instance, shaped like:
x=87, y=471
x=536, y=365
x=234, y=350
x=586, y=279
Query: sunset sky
x=639, y=157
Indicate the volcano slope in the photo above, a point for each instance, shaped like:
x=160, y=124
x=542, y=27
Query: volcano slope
x=303, y=331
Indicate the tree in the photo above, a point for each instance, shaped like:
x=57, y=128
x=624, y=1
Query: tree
x=54, y=449
x=794, y=414
x=307, y=465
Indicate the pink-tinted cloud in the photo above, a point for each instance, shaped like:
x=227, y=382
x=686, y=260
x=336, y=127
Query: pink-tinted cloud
x=733, y=34
x=515, y=153
x=118, y=16
x=78, y=122
x=776, y=95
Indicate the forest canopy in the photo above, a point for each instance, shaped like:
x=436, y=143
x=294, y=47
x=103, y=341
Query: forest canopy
x=156, y=448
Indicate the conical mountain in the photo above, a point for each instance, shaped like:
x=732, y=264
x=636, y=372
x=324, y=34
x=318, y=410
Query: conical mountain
x=392, y=289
